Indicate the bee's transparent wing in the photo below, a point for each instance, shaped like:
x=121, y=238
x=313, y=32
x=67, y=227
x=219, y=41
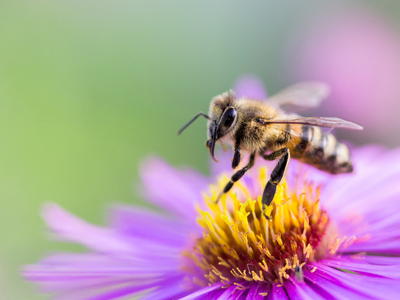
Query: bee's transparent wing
x=317, y=121
x=298, y=130
x=306, y=94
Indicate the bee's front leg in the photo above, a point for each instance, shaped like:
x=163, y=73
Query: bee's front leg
x=276, y=175
x=239, y=174
x=236, y=158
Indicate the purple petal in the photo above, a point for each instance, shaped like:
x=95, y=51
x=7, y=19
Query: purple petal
x=74, y=229
x=76, y=266
x=376, y=234
x=229, y=293
x=145, y=224
x=381, y=260
x=352, y=186
x=277, y=293
x=384, y=248
x=250, y=87
x=165, y=289
x=100, y=293
x=377, y=231
x=241, y=294
x=84, y=276
x=205, y=292
x=129, y=291
x=71, y=228
x=325, y=284
x=351, y=201
x=359, y=265
x=365, y=286
x=175, y=191
x=253, y=292
x=262, y=289
x=171, y=290
x=301, y=290
x=223, y=166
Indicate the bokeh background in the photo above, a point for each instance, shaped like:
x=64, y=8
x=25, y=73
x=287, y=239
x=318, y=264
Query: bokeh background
x=90, y=88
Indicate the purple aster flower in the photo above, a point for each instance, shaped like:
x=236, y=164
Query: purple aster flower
x=332, y=237
x=329, y=237
x=250, y=86
x=348, y=50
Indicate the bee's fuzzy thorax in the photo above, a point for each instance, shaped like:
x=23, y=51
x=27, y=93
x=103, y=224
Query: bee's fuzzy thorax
x=306, y=143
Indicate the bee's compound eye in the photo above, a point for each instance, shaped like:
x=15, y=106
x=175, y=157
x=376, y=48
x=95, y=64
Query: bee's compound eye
x=208, y=144
x=229, y=117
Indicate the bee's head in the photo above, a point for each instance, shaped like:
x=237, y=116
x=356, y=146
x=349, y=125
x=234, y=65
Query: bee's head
x=223, y=117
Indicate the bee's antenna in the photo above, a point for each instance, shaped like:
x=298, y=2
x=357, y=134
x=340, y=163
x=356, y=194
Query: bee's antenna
x=192, y=120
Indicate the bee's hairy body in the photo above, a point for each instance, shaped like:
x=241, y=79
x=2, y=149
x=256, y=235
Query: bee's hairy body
x=262, y=128
x=310, y=144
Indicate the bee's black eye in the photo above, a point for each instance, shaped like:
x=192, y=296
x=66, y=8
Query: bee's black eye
x=228, y=117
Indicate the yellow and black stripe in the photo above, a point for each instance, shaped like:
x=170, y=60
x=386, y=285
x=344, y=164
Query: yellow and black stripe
x=320, y=150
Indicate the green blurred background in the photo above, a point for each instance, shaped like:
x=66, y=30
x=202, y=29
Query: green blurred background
x=90, y=88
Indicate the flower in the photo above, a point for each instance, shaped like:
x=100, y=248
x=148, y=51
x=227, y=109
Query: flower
x=250, y=86
x=357, y=52
x=329, y=237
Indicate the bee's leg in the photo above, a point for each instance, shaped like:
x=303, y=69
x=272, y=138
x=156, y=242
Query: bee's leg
x=239, y=174
x=276, y=175
x=236, y=156
x=273, y=155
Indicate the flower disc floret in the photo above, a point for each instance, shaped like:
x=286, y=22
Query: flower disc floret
x=240, y=246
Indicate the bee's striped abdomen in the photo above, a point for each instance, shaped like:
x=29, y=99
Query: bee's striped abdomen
x=321, y=150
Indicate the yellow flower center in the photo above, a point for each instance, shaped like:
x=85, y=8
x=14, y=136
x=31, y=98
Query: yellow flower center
x=240, y=245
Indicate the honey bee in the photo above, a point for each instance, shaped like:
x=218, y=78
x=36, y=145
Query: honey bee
x=262, y=128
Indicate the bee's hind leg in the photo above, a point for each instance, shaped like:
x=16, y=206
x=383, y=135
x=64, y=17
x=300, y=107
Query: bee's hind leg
x=239, y=174
x=276, y=175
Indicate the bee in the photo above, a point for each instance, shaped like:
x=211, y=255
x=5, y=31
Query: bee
x=262, y=128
